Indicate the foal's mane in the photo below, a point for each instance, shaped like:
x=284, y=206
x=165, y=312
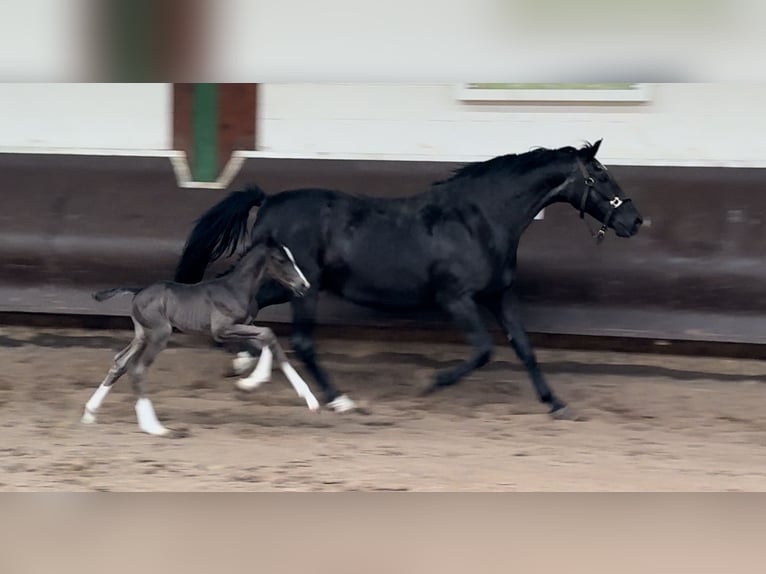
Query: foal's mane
x=244, y=254
x=512, y=163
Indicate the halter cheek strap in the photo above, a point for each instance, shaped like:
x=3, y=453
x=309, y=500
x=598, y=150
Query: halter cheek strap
x=614, y=203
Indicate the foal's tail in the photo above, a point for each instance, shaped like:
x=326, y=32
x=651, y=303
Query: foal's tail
x=216, y=232
x=109, y=293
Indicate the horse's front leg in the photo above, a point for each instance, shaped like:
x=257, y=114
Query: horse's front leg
x=304, y=320
x=465, y=314
x=508, y=314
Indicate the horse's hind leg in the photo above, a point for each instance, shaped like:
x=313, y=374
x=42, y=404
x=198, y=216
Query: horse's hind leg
x=148, y=422
x=506, y=310
x=465, y=315
x=119, y=368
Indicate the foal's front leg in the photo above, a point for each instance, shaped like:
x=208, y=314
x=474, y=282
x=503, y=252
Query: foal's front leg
x=271, y=293
x=465, y=314
x=260, y=374
x=265, y=338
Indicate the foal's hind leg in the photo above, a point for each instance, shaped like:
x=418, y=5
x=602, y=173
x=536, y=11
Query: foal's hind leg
x=506, y=310
x=465, y=314
x=119, y=368
x=148, y=422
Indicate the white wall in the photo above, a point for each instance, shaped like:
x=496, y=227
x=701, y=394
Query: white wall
x=85, y=116
x=683, y=124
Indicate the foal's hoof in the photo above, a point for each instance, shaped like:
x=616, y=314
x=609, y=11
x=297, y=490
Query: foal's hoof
x=567, y=413
x=88, y=418
x=248, y=385
x=181, y=432
x=173, y=433
x=242, y=365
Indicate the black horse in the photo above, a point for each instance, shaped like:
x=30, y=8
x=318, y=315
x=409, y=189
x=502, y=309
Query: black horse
x=452, y=246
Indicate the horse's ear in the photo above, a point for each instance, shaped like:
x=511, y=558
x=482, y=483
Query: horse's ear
x=589, y=152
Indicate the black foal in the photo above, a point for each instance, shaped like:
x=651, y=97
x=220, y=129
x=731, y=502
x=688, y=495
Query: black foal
x=222, y=307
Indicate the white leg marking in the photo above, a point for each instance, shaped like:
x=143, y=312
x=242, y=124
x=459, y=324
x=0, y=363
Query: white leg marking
x=261, y=374
x=300, y=386
x=147, y=418
x=94, y=403
x=242, y=362
x=342, y=404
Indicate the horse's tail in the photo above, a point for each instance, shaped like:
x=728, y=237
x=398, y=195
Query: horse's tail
x=216, y=232
x=109, y=293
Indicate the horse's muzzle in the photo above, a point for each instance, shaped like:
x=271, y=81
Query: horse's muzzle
x=623, y=230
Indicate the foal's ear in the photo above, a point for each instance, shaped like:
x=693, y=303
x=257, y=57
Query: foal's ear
x=589, y=151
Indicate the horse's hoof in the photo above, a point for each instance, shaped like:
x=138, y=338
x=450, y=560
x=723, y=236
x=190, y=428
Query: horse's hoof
x=342, y=404
x=566, y=413
x=429, y=390
x=438, y=385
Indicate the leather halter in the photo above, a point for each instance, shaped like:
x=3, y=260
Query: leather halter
x=614, y=203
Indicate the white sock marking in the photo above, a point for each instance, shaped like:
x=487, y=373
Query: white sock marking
x=261, y=374
x=342, y=404
x=94, y=403
x=300, y=386
x=242, y=362
x=295, y=266
x=147, y=418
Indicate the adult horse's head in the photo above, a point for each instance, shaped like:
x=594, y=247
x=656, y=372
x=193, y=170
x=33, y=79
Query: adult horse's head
x=594, y=191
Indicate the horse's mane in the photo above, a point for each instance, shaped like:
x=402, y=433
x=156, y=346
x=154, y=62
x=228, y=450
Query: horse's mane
x=511, y=163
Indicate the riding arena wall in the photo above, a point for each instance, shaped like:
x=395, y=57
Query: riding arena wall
x=101, y=184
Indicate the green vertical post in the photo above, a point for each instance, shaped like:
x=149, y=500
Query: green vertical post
x=133, y=35
x=205, y=132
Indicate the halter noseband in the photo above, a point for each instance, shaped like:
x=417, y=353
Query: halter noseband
x=614, y=203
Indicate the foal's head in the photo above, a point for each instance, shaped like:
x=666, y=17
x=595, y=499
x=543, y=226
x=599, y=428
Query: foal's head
x=281, y=266
x=598, y=194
